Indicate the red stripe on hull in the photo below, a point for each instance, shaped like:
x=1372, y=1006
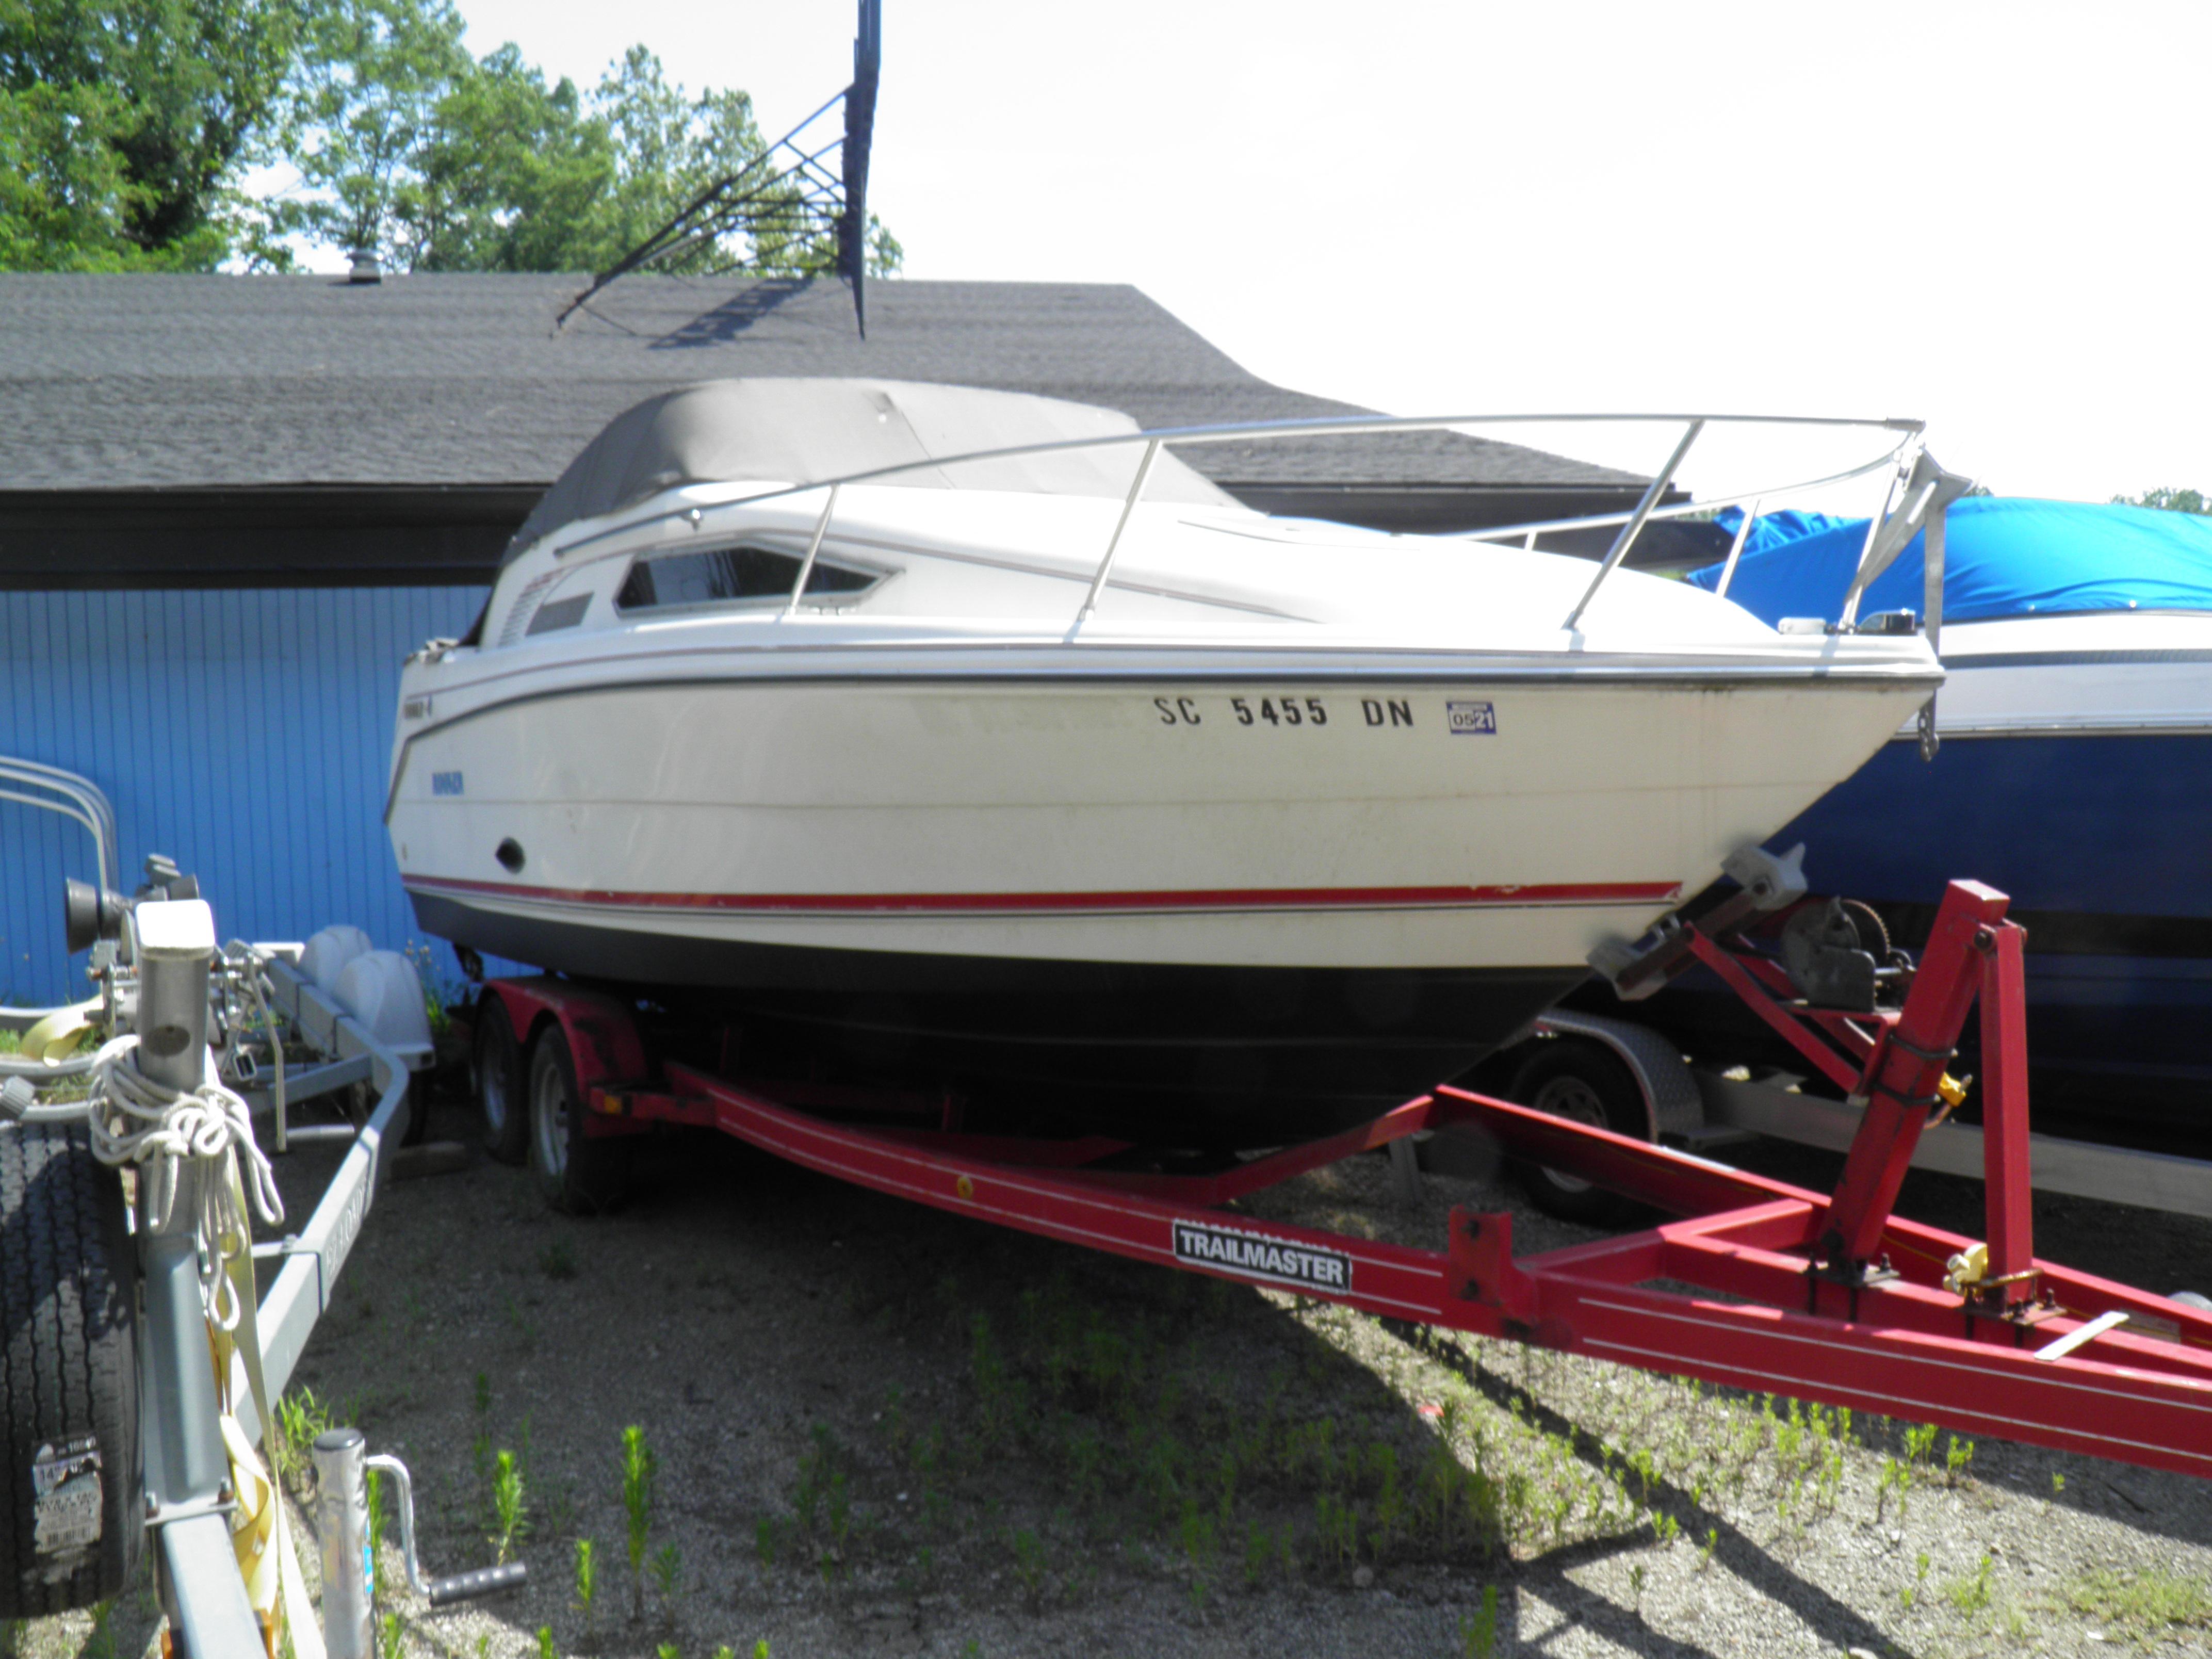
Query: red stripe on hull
x=1261, y=898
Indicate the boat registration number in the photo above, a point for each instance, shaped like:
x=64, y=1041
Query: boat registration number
x=1267, y=709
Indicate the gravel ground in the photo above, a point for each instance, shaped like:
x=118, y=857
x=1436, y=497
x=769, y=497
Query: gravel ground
x=877, y=1429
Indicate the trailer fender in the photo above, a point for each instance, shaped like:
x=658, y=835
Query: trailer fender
x=602, y=1032
x=1671, y=1099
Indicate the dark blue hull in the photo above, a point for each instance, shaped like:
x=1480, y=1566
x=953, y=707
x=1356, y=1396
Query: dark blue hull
x=2105, y=845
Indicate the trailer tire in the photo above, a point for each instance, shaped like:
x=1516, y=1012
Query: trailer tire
x=502, y=1087
x=577, y=1174
x=69, y=1374
x=1582, y=1082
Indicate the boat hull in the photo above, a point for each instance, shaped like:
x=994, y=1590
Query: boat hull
x=2100, y=839
x=1181, y=1053
x=1169, y=903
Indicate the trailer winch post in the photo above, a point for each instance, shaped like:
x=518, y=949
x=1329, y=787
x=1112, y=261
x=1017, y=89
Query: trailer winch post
x=349, y=1570
x=1911, y=1059
x=2006, y=1180
x=187, y=1470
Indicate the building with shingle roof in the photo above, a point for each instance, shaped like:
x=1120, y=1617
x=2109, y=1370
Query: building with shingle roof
x=162, y=430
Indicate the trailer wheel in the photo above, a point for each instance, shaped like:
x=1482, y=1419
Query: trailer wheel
x=577, y=1174
x=1583, y=1082
x=69, y=1527
x=502, y=1091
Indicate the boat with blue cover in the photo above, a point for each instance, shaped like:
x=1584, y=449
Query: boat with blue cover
x=2075, y=772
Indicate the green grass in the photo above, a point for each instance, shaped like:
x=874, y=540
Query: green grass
x=2145, y=1603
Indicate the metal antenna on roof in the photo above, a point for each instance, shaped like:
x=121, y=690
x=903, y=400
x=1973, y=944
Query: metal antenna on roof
x=859, y=132
x=807, y=192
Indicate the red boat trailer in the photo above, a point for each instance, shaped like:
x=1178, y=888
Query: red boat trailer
x=1760, y=1286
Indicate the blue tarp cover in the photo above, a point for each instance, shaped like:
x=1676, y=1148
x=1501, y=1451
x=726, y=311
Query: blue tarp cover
x=1773, y=529
x=2004, y=556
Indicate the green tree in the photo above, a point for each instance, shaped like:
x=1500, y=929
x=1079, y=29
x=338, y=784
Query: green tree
x=363, y=108
x=2168, y=500
x=123, y=124
x=409, y=147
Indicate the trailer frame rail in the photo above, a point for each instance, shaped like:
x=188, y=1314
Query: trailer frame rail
x=1759, y=1284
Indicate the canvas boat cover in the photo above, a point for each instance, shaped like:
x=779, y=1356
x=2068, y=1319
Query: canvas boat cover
x=2003, y=556
x=795, y=431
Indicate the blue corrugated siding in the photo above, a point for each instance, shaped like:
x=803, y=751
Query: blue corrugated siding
x=245, y=733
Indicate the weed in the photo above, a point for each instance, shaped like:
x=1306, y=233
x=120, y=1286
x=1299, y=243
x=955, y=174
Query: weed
x=545, y=1649
x=639, y=1470
x=760, y=1649
x=1910, y=1592
x=2057, y=1483
x=1705, y=1550
x=301, y=1419
x=2146, y=1602
x=764, y=1531
x=1972, y=1595
x=509, y=1512
x=1636, y=1586
x=820, y=1478
x=391, y=1636
x=587, y=1581
x=1919, y=1440
x=668, y=1576
x=1258, y=1551
x=668, y=1650
x=1029, y=1566
x=1956, y=1454
x=1478, y=1631
x=557, y=1260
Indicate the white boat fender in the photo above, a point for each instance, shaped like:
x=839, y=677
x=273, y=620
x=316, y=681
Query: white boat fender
x=382, y=990
x=329, y=952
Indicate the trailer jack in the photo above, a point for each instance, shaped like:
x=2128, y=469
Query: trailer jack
x=342, y=1463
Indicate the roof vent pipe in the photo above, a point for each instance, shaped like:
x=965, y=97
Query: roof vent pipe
x=365, y=268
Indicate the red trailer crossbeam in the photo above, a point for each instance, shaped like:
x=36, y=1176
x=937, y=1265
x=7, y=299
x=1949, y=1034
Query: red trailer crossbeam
x=1760, y=1286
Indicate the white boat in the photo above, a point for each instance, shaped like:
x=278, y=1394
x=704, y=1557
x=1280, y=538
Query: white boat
x=1124, y=801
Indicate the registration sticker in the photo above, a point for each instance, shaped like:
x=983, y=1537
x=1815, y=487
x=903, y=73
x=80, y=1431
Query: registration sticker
x=1471, y=719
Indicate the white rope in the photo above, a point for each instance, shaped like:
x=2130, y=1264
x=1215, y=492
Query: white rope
x=139, y=1121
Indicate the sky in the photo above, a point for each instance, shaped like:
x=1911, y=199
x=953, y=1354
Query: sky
x=1991, y=217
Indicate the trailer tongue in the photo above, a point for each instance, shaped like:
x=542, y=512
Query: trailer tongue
x=1761, y=1285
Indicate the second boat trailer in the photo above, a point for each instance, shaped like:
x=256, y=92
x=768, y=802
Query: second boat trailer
x=1758, y=1285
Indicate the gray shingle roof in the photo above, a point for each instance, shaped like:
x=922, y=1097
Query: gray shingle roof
x=163, y=382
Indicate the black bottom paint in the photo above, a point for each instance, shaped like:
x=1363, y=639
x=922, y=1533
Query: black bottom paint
x=1201, y=1057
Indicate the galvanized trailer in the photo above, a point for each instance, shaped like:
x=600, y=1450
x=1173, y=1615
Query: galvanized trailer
x=140, y=1363
x=1758, y=1284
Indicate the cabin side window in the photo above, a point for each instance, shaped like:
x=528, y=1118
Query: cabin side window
x=726, y=575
